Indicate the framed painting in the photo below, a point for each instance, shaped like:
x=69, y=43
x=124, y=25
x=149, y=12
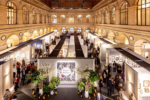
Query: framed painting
x=146, y=90
x=117, y=58
x=146, y=83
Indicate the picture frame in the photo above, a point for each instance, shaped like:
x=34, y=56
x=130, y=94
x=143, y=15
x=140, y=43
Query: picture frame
x=117, y=58
x=146, y=90
x=121, y=59
x=146, y=83
x=113, y=58
x=139, y=86
x=141, y=91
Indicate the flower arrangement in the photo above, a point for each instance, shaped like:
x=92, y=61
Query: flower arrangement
x=55, y=81
x=80, y=85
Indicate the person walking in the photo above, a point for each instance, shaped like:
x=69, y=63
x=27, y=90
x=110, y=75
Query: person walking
x=32, y=61
x=99, y=96
x=18, y=71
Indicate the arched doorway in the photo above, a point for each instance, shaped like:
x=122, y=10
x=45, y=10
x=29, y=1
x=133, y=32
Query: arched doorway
x=35, y=34
x=45, y=31
x=104, y=33
x=52, y=29
x=12, y=41
x=141, y=47
x=26, y=36
x=41, y=32
x=99, y=32
x=79, y=30
x=71, y=29
x=63, y=29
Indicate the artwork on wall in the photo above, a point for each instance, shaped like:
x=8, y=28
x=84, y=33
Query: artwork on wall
x=139, y=86
x=120, y=59
x=141, y=91
x=117, y=58
x=146, y=90
x=66, y=71
x=146, y=83
x=113, y=58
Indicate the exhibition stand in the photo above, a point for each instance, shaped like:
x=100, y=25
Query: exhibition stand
x=137, y=71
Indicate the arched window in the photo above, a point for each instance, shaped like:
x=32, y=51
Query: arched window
x=25, y=15
x=144, y=12
x=71, y=19
x=88, y=17
x=112, y=19
x=11, y=13
x=124, y=14
x=79, y=19
x=34, y=17
x=105, y=17
x=40, y=18
x=54, y=19
x=62, y=18
x=44, y=18
x=100, y=17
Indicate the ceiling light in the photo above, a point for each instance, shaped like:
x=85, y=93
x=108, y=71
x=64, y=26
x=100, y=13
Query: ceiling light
x=53, y=8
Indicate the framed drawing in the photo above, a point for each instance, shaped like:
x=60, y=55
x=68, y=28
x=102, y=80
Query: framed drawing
x=141, y=91
x=146, y=90
x=110, y=58
x=117, y=58
x=139, y=86
x=121, y=59
x=113, y=58
x=146, y=83
x=66, y=71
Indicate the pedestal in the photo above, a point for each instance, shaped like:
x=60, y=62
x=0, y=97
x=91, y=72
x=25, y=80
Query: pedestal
x=41, y=91
x=86, y=94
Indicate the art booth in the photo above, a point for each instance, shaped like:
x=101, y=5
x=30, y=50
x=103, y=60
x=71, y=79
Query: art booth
x=137, y=72
x=66, y=69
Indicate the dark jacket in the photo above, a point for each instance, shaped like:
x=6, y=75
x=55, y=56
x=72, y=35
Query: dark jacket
x=109, y=83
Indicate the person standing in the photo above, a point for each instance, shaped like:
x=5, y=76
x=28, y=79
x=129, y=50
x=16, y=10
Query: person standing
x=16, y=83
x=23, y=62
x=109, y=67
x=6, y=95
x=32, y=61
x=113, y=85
x=14, y=62
x=99, y=96
x=18, y=71
x=23, y=75
x=109, y=86
x=100, y=83
x=28, y=68
x=28, y=76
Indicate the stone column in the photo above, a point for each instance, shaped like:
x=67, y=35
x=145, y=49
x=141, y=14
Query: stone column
x=58, y=17
x=108, y=17
x=42, y=19
x=103, y=18
x=117, y=16
x=30, y=18
x=37, y=18
x=67, y=18
x=20, y=16
x=3, y=15
x=84, y=18
x=49, y=19
x=132, y=15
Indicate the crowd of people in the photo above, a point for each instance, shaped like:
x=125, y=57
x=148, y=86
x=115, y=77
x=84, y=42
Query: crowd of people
x=112, y=76
x=23, y=72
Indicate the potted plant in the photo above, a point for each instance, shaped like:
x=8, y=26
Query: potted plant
x=93, y=76
x=52, y=87
x=90, y=92
x=80, y=86
x=56, y=80
x=46, y=89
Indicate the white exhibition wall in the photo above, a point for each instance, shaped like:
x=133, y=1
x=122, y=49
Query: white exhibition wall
x=6, y=76
x=79, y=63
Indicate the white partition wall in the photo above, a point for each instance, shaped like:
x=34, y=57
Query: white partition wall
x=6, y=76
x=67, y=67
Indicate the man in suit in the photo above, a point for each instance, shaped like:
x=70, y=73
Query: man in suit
x=99, y=96
x=109, y=67
x=109, y=86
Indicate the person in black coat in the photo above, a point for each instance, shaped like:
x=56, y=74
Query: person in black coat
x=109, y=67
x=109, y=86
x=100, y=83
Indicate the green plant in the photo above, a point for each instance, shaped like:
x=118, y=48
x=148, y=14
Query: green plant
x=55, y=80
x=91, y=90
x=93, y=76
x=51, y=86
x=46, y=89
x=80, y=85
